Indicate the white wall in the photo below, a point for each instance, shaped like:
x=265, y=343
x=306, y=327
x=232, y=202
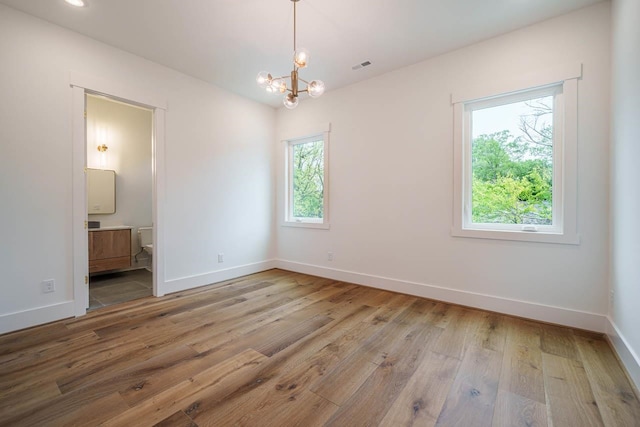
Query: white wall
x=127, y=131
x=219, y=181
x=391, y=181
x=625, y=177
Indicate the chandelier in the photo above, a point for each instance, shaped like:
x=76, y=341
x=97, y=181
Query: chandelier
x=314, y=88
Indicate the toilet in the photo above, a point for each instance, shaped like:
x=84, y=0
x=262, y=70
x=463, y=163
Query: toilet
x=145, y=237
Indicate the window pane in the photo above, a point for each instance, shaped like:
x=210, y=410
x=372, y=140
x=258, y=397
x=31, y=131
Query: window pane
x=512, y=163
x=308, y=180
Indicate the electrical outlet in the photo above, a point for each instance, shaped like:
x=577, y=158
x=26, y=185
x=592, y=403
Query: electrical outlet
x=48, y=286
x=220, y=257
x=329, y=256
x=611, y=295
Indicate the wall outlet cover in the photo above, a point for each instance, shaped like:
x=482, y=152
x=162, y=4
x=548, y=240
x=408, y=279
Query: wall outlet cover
x=48, y=286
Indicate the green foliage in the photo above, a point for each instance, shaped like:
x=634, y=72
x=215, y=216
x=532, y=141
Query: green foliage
x=509, y=200
x=490, y=159
x=308, y=180
x=512, y=180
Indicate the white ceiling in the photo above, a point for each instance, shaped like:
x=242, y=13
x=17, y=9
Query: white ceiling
x=227, y=42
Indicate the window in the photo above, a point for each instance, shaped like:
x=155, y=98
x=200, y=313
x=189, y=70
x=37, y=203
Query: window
x=516, y=165
x=307, y=188
x=512, y=143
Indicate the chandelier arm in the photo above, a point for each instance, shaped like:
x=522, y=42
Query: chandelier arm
x=302, y=80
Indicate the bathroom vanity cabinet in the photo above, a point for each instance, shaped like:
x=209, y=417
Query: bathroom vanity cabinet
x=109, y=249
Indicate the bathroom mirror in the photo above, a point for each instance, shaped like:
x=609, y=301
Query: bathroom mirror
x=101, y=191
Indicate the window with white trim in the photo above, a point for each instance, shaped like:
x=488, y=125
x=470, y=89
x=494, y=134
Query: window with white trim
x=306, y=183
x=515, y=165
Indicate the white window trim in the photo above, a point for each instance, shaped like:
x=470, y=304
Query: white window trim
x=564, y=230
x=289, y=220
x=558, y=113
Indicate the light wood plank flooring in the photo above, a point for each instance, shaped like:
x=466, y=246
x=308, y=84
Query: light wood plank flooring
x=286, y=349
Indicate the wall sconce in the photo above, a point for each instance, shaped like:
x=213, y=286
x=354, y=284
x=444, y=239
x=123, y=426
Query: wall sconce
x=103, y=155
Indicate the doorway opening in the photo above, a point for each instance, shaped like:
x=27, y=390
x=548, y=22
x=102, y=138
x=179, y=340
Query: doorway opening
x=119, y=159
x=114, y=90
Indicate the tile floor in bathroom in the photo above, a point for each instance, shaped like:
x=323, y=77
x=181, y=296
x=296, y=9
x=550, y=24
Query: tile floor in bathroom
x=115, y=288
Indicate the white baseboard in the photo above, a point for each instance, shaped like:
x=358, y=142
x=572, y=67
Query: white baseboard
x=627, y=355
x=562, y=316
x=36, y=316
x=545, y=313
x=183, y=283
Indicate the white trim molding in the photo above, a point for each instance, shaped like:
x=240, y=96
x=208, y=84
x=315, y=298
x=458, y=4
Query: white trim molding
x=307, y=131
x=529, y=310
x=81, y=84
x=157, y=214
x=79, y=203
x=562, y=84
x=12, y=322
x=118, y=90
x=190, y=282
x=289, y=219
x=629, y=358
x=531, y=78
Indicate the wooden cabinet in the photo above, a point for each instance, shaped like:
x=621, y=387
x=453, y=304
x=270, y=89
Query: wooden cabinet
x=109, y=249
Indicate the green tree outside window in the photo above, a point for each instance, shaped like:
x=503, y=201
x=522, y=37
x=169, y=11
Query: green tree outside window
x=512, y=176
x=308, y=180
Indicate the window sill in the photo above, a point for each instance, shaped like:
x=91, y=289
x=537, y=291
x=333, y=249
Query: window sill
x=302, y=224
x=516, y=235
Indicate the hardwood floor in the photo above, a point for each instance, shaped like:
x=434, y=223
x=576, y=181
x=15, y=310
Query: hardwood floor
x=286, y=349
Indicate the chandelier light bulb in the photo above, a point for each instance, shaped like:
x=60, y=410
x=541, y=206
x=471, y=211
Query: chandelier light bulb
x=301, y=57
x=315, y=88
x=281, y=86
x=271, y=87
x=263, y=79
x=290, y=101
x=277, y=86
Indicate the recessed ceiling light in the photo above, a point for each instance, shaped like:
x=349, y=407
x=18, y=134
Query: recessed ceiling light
x=77, y=3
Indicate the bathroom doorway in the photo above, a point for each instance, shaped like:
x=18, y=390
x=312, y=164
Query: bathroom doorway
x=116, y=90
x=119, y=159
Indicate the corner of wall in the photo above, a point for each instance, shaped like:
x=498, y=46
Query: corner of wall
x=629, y=359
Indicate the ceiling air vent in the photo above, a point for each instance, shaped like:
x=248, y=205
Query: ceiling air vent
x=361, y=65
